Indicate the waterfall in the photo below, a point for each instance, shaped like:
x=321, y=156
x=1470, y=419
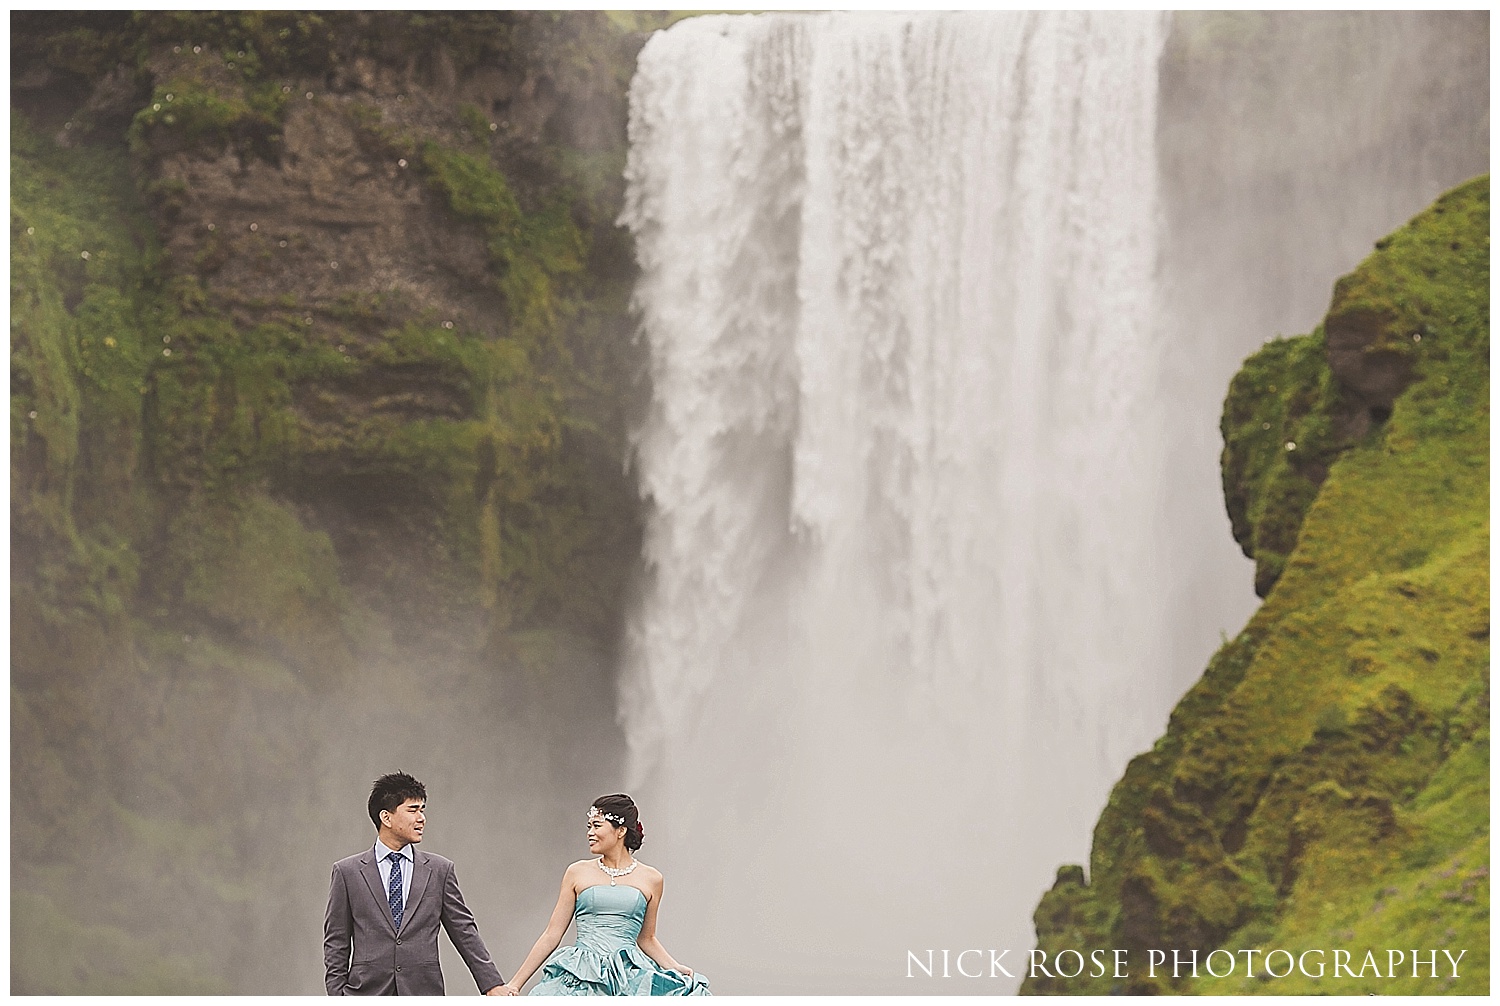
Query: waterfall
x=904, y=461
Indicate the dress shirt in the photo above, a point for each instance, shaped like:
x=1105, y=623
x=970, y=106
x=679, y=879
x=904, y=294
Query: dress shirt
x=404, y=857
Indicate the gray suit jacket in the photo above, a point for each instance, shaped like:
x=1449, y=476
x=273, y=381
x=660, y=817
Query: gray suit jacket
x=364, y=955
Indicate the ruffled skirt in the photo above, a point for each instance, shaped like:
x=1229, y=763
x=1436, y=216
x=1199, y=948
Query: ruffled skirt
x=579, y=971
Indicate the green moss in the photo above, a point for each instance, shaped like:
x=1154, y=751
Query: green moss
x=533, y=253
x=1325, y=785
x=1288, y=418
x=258, y=42
x=542, y=523
x=473, y=188
x=201, y=106
x=80, y=302
x=219, y=407
x=466, y=360
x=475, y=123
x=1278, y=445
x=249, y=569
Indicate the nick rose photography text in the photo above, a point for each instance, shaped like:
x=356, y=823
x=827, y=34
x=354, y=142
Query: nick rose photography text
x=1383, y=963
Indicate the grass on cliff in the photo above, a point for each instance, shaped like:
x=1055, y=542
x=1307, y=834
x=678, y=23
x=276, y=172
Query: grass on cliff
x=81, y=252
x=1325, y=785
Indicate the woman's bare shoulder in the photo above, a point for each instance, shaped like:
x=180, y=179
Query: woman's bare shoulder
x=577, y=869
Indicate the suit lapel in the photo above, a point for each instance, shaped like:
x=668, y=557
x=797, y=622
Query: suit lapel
x=371, y=873
x=421, y=869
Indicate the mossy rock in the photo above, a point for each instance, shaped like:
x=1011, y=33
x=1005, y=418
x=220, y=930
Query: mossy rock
x=235, y=489
x=1297, y=404
x=1325, y=784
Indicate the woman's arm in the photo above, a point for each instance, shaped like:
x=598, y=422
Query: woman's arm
x=557, y=925
x=647, y=940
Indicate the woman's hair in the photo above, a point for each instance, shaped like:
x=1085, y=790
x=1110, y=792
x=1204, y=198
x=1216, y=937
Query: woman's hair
x=618, y=808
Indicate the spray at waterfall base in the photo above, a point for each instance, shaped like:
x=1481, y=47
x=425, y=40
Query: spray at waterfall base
x=1267, y=965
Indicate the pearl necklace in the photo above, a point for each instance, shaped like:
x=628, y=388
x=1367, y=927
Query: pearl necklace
x=613, y=873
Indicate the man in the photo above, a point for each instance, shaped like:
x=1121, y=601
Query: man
x=386, y=903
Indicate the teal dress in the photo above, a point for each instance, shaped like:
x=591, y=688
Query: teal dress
x=606, y=961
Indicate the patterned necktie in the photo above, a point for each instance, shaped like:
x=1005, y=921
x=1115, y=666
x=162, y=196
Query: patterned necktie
x=394, y=894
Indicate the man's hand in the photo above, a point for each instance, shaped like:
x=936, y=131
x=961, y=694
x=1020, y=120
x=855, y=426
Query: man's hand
x=502, y=990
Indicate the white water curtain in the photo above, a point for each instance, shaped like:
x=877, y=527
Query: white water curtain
x=903, y=623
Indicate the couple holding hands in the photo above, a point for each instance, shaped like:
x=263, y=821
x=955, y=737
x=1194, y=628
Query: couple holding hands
x=385, y=906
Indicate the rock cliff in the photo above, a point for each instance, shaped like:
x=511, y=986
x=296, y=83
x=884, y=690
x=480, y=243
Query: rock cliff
x=321, y=367
x=1325, y=785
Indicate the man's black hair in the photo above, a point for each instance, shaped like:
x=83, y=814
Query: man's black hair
x=391, y=791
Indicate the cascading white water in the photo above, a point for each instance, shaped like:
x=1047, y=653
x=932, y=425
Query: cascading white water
x=904, y=461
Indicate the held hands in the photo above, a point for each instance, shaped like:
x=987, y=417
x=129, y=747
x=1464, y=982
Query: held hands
x=502, y=990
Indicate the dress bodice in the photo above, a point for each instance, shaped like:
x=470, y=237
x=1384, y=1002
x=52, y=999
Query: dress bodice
x=605, y=960
x=609, y=917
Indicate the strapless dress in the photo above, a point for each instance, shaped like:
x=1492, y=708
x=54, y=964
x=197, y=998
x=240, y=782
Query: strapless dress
x=606, y=960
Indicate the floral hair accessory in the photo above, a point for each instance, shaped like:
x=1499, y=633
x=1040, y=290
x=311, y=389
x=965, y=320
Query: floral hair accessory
x=614, y=819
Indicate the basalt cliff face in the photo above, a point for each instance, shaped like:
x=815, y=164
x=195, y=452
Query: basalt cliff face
x=321, y=365
x=386, y=261
x=1325, y=785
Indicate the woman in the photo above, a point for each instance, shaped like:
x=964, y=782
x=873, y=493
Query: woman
x=614, y=898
